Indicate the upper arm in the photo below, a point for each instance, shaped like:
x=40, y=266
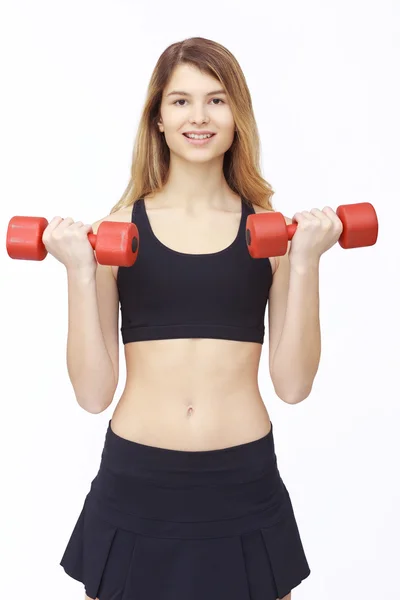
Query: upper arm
x=277, y=301
x=108, y=304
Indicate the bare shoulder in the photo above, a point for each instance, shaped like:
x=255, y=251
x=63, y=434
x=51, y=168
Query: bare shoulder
x=274, y=260
x=123, y=215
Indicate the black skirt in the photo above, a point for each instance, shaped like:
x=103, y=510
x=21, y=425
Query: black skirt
x=161, y=524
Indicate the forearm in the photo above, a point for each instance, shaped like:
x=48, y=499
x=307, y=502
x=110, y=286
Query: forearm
x=296, y=359
x=89, y=365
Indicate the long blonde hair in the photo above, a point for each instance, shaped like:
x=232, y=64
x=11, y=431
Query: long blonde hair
x=241, y=166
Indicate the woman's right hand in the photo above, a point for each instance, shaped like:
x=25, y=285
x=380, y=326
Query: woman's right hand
x=68, y=242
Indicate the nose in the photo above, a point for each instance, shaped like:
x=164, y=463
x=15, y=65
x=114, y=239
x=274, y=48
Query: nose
x=199, y=115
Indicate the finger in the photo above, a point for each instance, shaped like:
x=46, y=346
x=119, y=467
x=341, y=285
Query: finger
x=78, y=228
x=65, y=223
x=77, y=225
x=328, y=210
x=331, y=214
x=87, y=227
x=299, y=217
x=311, y=219
x=307, y=215
x=322, y=217
x=337, y=223
x=55, y=221
x=317, y=212
x=81, y=227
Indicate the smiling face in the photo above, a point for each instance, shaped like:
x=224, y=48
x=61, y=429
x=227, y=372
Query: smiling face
x=200, y=108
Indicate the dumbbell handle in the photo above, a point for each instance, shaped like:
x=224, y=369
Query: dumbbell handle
x=291, y=230
x=92, y=237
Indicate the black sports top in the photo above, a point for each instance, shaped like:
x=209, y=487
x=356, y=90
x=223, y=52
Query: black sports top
x=169, y=294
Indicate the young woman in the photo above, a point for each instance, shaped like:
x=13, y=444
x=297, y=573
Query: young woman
x=188, y=502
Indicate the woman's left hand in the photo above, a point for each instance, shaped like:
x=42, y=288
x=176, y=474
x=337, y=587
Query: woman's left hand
x=316, y=232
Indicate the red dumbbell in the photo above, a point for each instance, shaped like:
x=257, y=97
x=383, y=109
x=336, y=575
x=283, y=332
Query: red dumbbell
x=267, y=234
x=116, y=244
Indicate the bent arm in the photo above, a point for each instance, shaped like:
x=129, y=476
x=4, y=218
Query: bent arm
x=297, y=355
x=90, y=367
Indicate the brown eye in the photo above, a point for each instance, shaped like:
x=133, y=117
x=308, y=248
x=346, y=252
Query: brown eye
x=183, y=100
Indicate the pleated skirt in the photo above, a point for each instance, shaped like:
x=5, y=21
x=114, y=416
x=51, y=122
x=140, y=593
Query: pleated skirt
x=161, y=524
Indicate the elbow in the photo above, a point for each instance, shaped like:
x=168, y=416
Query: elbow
x=293, y=396
x=297, y=397
x=94, y=403
x=92, y=406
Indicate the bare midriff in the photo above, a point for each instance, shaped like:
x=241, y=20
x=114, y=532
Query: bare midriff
x=191, y=394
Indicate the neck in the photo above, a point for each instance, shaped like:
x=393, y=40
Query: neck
x=192, y=184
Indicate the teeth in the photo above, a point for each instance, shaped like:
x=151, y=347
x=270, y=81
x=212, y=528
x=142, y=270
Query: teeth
x=198, y=137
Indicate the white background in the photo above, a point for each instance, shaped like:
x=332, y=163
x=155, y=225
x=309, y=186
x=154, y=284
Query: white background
x=324, y=79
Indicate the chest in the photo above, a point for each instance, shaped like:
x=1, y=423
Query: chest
x=196, y=233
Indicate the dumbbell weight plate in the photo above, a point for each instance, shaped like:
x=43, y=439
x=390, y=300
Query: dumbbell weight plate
x=24, y=238
x=360, y=225
x=117, y=243
x=266, y=235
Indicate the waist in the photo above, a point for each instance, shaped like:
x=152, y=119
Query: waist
x=238, y=463
x=191, y=422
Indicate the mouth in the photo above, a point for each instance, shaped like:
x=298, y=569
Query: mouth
x=199, y=142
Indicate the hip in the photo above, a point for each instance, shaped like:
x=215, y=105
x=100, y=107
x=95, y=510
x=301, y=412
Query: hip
x=163, y=492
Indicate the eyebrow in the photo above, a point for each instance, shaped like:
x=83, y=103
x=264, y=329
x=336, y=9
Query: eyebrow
x=177, y=93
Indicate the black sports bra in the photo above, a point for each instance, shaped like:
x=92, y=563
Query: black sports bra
x=168, y=294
